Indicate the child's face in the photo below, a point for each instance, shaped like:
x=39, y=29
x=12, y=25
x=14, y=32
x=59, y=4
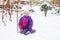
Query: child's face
x=26, y=14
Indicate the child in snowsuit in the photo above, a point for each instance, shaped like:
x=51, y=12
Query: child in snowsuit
x=25, y=24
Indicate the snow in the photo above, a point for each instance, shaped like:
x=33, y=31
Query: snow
x=47, y=28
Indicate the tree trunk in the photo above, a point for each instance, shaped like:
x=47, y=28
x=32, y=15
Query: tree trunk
x=45, y=13
x=59, y=3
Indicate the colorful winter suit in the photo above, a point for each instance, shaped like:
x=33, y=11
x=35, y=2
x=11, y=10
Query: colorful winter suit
x=26, y=22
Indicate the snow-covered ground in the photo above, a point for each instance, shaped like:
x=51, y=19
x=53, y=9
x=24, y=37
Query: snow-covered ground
x=47, y=28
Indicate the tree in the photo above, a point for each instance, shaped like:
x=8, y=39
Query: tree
x=45, y=8
x=57, y=11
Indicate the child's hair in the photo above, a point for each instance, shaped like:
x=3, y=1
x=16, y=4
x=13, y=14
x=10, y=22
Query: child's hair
x=26, y=13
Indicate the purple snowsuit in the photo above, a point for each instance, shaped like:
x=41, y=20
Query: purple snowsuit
x=26, y=22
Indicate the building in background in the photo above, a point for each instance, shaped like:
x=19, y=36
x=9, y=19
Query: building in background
x=56, y=2
x=52, y=2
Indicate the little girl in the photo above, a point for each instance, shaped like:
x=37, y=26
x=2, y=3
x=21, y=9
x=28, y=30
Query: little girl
x=25, y=24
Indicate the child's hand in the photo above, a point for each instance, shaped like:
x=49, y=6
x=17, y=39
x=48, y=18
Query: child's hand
x=20, y=27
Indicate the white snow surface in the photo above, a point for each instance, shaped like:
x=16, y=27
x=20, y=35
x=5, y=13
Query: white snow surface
x=47, y=28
